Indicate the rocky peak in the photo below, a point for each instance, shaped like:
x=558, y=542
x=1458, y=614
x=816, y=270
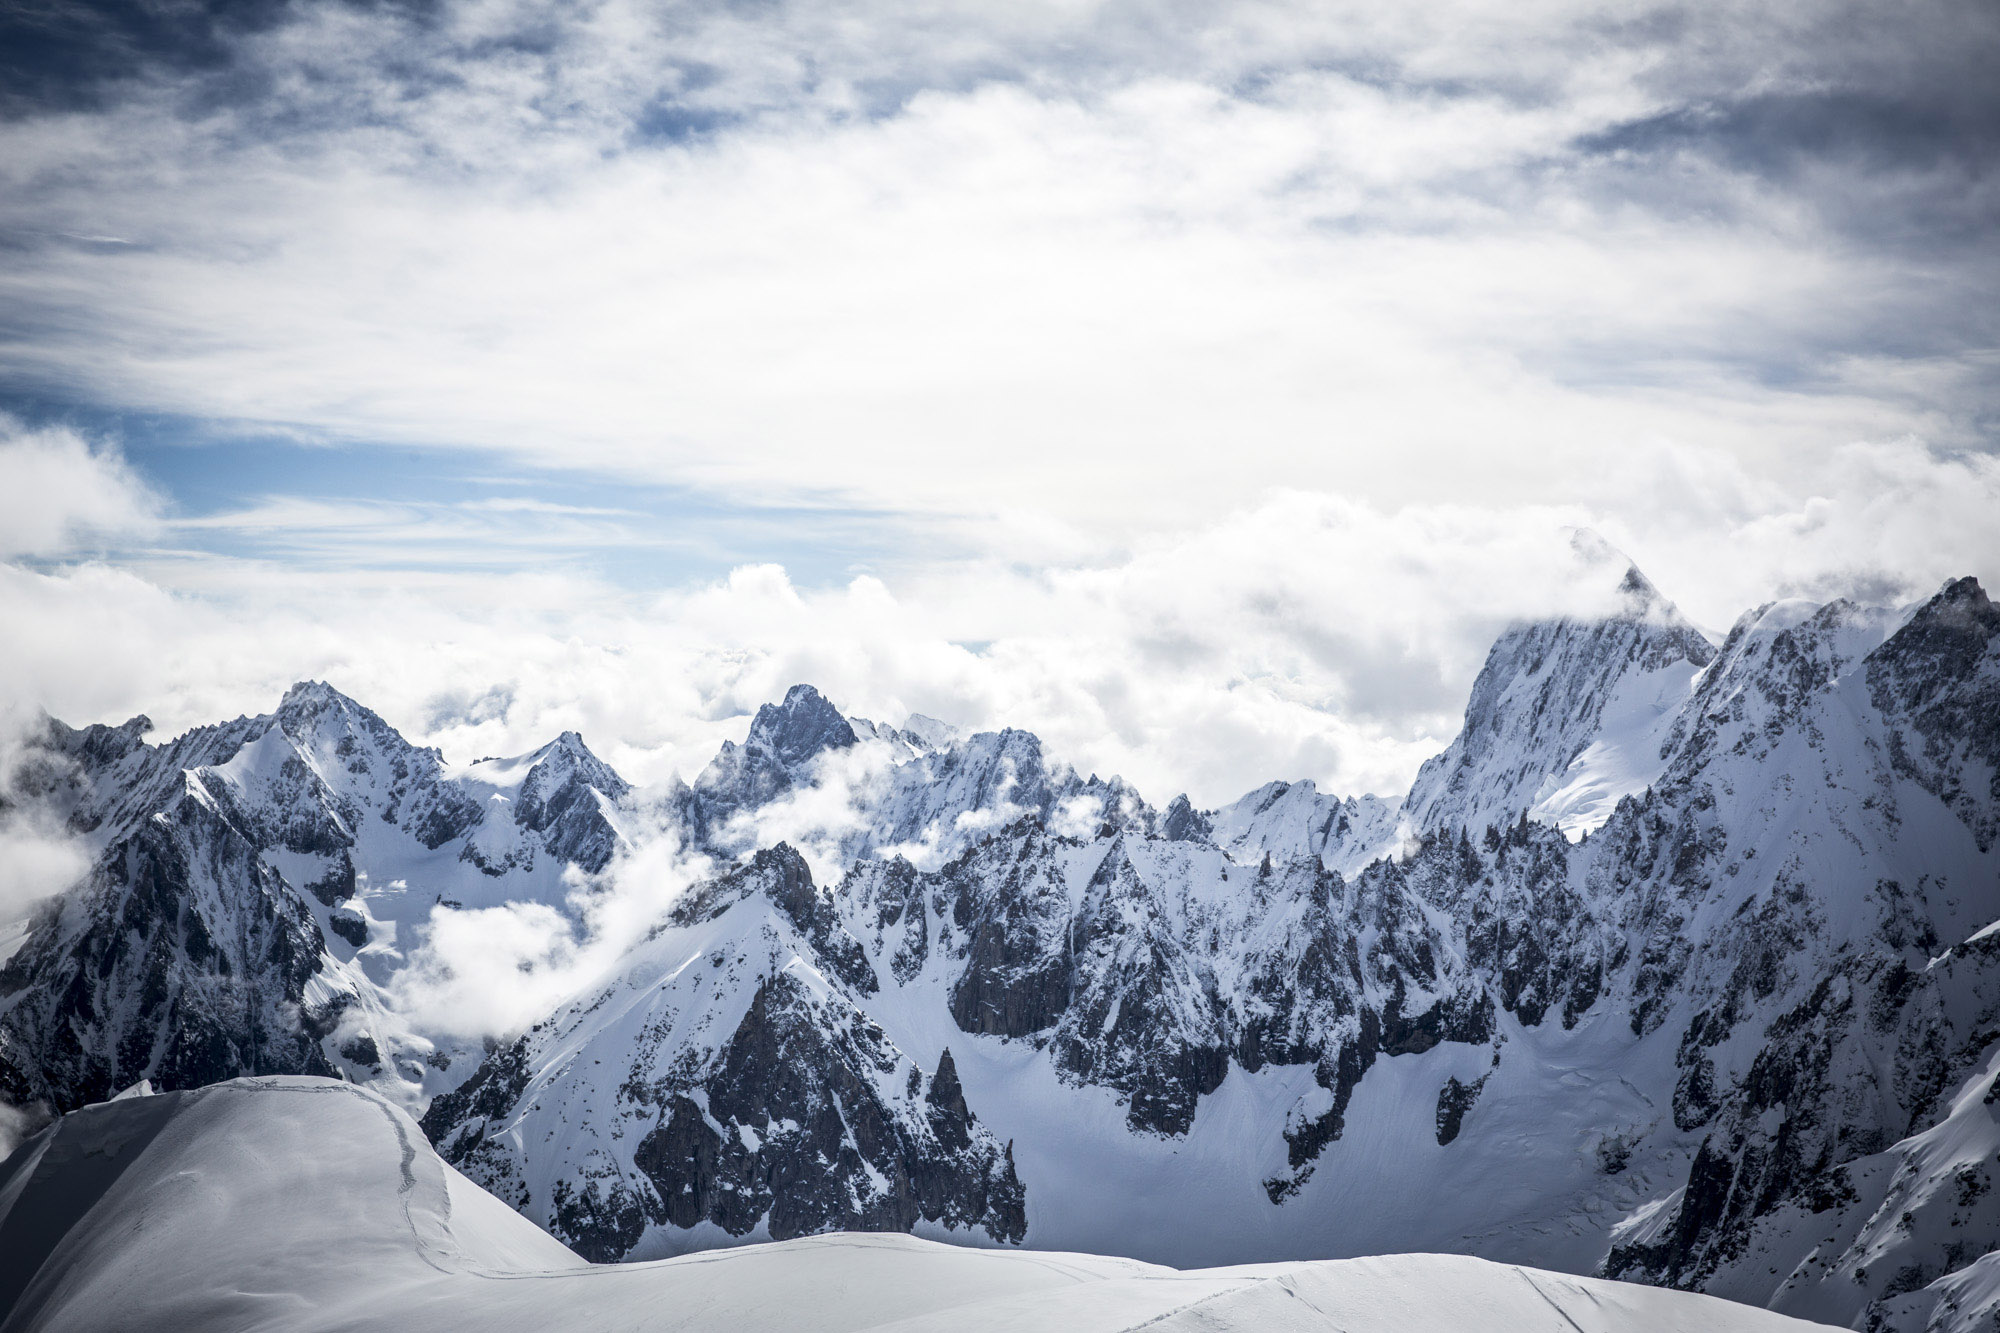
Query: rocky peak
x=801, y=728
x=730, y=1079
x=929, y=733
x=1549, y=692
x=1771, y=670
x=563, y=771
x=316, y=716
x=307, y=700
x=560, y=799
x=782, y=876
x=1947, y=639
x=1940, y=673
x=786, y=741
x=946, y=1093
x=1183, y=823
x=97, y=745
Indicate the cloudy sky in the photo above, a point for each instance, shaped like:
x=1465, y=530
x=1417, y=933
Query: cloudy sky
x=1202, y=386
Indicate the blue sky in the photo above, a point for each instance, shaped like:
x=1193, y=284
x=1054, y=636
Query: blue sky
x=1203, y=386
x=237, y=493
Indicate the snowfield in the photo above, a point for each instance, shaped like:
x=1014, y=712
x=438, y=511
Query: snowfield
x=303, y=1203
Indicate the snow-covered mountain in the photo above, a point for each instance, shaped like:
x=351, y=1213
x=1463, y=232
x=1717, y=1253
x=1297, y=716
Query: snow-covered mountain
x=852, y=789
x=1678, y=965
x=255, y=885
x=776, y=1104
x=1567, y=717
x=1294, y=819
x=395, y=1238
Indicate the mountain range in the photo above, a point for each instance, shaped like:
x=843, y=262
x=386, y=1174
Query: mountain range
x=1681, y=965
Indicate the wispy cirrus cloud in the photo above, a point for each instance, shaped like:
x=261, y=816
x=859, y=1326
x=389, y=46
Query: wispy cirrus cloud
x=962, y=263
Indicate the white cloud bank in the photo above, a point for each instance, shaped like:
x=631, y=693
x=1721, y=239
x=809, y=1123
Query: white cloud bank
x=1305, y=635
x=57, y=493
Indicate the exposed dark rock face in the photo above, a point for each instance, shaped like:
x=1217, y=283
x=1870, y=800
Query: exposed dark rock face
x=337, y=885
x=1012, y=907
x=816, y=1125
x=795, y=1116
x=1453, y=1102
x=1817, y=1096
x=349, y=925
x=185, y=955
x=785, y=744
x=1773, y=945
x=562, y=804
x=1119, y=978
x=488, y=1095
x=1183, y=823
x=1940, y=673
x=361, y=1050
x=1828, y=1025
x=318, y=818
x=182, y=959
x=565, y=802
x=783, y=875
x=901, y=921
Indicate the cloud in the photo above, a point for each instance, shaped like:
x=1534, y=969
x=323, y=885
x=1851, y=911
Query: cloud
x=1042, y=280
x=18, y=1123
x=58, y=494
x=37, y=859
x=492, y=971
x=39, y=855
x=1303, y=635
x=1205, y=394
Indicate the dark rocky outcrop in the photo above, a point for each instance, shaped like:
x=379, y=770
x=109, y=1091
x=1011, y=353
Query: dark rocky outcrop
x=1454, y=1100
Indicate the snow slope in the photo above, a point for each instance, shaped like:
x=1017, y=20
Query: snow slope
x=394, y=1238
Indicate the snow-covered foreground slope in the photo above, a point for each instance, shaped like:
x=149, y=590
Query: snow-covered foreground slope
x=297, y=1204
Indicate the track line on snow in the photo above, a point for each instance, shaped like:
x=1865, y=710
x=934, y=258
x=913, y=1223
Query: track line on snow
x=1537, y=1288
x=406, y=1164
x=1183, y=1309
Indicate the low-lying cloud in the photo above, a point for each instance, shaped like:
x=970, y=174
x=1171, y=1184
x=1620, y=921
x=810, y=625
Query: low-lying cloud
x=491, y=971
x=1306, y=635
x=39, y=855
